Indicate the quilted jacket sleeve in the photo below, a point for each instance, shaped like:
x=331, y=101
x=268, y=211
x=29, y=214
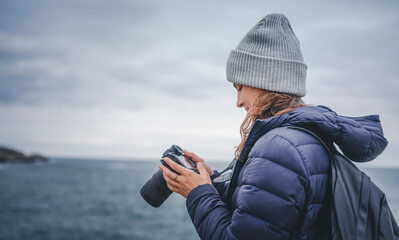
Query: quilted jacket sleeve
x=221, y=188
x=269, y=198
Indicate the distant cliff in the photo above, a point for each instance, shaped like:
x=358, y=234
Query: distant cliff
x=11, y=156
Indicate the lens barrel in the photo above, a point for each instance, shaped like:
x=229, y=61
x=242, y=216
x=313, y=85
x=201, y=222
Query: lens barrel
x=155, y=191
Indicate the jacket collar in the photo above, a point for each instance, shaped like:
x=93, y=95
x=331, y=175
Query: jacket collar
x=359, y=138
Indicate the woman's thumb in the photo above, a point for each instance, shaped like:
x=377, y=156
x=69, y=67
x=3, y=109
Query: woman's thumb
x=192, y=155
x=187, y=153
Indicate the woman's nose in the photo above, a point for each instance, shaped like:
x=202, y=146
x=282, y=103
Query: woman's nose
x=239, y=102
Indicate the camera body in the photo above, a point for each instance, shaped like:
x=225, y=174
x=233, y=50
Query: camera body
x=155, y=191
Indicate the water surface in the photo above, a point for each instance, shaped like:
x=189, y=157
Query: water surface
x=99, y=199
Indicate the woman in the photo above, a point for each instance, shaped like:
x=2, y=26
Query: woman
x=279, y=186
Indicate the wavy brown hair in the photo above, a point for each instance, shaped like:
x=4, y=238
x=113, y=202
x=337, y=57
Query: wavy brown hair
x=268, y=104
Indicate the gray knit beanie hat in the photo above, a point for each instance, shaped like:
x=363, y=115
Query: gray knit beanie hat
x=269, y=57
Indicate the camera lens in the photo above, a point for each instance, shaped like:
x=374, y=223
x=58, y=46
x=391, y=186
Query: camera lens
x=155, y=191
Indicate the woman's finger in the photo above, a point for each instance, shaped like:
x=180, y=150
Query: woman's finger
x=180, y=169
x=167, y=172
x=170, y=176
x=172, y=188
x=201, y=169
x=165, y=176
x=193, y=156
x=173, y=182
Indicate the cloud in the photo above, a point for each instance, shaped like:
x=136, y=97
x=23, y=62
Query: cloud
x=128, y=78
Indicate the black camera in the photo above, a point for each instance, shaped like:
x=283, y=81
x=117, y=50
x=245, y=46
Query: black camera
x=155, y=191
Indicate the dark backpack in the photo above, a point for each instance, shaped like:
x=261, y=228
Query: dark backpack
x=358, y=209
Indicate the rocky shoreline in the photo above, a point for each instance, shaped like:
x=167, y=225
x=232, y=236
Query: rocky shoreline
x=12, y=156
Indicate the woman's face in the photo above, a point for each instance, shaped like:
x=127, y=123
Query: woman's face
x=246, y=96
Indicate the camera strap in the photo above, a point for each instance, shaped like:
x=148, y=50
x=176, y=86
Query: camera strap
x=224, y=175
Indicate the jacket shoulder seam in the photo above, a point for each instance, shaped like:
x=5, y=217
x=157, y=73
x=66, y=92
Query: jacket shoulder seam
x=297, y=151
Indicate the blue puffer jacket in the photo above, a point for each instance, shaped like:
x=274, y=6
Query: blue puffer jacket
x=279, y=188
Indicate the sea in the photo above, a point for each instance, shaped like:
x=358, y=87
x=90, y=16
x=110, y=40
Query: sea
x=67, y=199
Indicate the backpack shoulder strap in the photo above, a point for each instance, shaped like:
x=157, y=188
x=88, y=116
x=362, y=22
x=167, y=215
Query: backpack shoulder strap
x=314, y=135
x=333, y=230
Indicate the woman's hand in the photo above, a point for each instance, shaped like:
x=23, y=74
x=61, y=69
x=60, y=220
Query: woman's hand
x=197, y=159
x=187, y=181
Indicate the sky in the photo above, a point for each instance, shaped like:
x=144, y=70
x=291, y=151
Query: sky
x=126, y=79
